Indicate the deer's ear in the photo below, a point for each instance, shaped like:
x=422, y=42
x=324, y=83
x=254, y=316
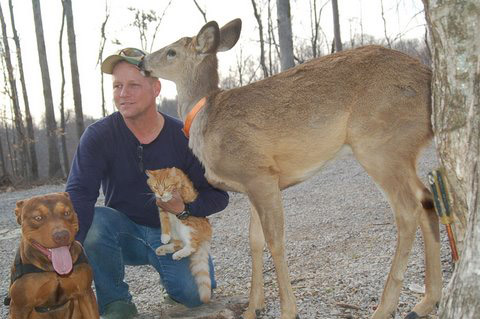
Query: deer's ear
x=229, y=35
x=208, y=38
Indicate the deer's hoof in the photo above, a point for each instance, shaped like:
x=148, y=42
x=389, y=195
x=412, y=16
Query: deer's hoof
x=412, y=315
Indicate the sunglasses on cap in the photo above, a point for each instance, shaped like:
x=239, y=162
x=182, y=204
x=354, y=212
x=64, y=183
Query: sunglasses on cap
x=131, y=55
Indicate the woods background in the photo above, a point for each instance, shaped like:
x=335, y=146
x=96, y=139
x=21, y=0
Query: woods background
x=41, y=149
x=34, y=151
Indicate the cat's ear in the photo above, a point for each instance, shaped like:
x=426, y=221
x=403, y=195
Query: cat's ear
x=173, y=171
x=149, y=173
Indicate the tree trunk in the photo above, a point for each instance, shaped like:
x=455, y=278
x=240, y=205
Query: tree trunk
x=262, y=42
x=63, y=132
x=77, y=95
x=103, y=39
x=54, y=167
x=2, y=161
x=28, y=116
x=336, y=26
x=22, y=140
x=285, y=34
x=456, y=120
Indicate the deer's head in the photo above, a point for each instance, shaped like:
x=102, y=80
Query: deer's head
x=190, y=55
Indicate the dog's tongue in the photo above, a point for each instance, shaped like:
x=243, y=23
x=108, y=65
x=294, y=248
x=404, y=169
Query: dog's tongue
x=61, y=260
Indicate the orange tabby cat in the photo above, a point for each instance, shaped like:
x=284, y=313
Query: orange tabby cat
x=187, y=237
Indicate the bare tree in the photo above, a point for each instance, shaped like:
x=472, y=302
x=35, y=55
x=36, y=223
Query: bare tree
x=389, y=43
x=285, y=34
x=273, y=47
x=28, y=117
x=2, y=161
x=54, y=167
x=72, y=48
x=456, y=120
x=62, y=131
x=315, y=27
x=142, y=20
x=103, y=40
x=262, y=41
x=336, y=26
x=15, y=102
x=202, y=11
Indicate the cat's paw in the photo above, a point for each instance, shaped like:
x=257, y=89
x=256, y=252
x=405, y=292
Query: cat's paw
x=165, y=239
x=182, y=253
x=178, y=255
x=161, y=251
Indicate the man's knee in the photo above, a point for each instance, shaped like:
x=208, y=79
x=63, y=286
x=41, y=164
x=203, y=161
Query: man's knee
x=101, y=229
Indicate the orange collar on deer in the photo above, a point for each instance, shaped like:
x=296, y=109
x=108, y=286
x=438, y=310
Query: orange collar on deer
x=191, y=116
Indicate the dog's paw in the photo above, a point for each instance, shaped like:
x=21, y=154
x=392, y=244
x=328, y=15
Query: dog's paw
x=165, y=239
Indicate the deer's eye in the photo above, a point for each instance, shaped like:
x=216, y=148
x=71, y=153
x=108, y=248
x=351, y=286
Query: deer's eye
x=171, y=53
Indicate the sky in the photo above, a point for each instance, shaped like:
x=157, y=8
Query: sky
x=181, y=18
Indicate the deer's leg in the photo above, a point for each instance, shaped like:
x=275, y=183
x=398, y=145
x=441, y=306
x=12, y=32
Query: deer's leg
x=257, y=243
x=265, y=196
x=396, y=175
x=433, y=272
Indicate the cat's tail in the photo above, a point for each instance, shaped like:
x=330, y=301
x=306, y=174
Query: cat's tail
x=201, y=271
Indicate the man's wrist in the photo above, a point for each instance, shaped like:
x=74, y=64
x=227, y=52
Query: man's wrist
x=185, y=213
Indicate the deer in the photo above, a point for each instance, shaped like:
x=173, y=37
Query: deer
x=263, y=137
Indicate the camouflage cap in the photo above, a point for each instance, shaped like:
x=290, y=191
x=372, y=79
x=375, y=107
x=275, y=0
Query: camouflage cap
x=130, y=55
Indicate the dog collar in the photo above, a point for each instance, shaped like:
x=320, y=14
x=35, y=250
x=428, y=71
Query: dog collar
x=191, y=116
x=46, y=309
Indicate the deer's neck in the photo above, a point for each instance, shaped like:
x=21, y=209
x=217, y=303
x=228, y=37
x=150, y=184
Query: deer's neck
x=195, y=86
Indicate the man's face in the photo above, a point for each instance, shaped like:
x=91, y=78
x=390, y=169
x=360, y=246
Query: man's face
x=134, y=94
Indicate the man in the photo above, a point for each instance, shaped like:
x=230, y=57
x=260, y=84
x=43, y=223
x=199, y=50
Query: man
x=115, y=152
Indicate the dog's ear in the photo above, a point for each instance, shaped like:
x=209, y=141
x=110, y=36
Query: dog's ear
x=18, y=211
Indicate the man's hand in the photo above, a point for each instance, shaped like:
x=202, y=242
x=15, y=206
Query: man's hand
x=174, y=206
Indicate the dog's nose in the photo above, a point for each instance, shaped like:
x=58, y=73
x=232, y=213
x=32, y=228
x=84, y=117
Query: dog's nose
x=61, y=237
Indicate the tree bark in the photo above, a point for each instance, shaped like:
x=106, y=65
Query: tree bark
x=456, y=120
x=54, y=167
x=103, y=40
x=28, y=117
x=63, y=132
x=262, y=42
x=285, y=34
x=77, y=94
x=2, y=161
x=336, y=26
x=20, y=129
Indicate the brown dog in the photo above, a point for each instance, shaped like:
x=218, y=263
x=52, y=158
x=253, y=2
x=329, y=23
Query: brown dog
x=51, y=277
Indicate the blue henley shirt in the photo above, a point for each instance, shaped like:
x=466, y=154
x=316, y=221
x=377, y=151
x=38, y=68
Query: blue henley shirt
x=108, y=155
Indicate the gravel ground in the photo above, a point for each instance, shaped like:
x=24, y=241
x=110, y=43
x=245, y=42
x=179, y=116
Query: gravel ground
x=340, y=240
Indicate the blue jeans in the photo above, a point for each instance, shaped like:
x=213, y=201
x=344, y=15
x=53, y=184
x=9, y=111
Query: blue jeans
x=114, y=241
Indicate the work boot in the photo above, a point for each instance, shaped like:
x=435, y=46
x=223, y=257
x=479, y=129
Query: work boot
x=120, y=309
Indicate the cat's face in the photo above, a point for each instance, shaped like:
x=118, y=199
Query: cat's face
x=163, y=182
